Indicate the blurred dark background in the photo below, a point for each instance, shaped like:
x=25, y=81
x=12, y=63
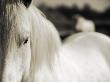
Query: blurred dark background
x=63, y=17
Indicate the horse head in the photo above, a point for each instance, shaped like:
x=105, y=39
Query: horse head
x=27, y=41
x=15, y=28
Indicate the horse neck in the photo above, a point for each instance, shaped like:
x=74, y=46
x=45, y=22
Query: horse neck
x=46, y=41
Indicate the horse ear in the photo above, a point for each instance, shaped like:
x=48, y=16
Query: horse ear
x=27, y=3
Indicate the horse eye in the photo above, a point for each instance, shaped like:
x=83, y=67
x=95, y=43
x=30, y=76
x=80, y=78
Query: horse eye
x=25, y=41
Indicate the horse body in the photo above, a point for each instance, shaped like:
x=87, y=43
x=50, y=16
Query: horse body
x=34, y=53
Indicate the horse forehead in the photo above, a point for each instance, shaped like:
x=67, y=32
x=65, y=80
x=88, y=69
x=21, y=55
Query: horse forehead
x=23, y=21
x=15, y=16
x=23, y=25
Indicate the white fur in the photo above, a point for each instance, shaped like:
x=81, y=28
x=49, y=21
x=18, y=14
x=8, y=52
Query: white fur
x=82, y=57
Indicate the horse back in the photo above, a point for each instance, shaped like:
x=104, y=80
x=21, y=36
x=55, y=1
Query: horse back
x=88, y=57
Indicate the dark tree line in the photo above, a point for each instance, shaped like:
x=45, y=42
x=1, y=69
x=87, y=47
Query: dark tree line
x=63, y=18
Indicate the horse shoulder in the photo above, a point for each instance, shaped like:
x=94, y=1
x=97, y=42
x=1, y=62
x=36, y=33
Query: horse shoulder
x=81, y=54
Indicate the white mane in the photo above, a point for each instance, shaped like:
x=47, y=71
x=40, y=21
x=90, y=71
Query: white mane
x=45, y=41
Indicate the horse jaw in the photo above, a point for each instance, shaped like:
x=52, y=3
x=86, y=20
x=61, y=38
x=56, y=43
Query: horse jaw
x=17, y=64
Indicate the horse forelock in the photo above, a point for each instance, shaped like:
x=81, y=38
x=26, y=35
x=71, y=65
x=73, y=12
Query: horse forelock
x=5, y=25
x=11, y=12
x=2, y=2
x=8, y=24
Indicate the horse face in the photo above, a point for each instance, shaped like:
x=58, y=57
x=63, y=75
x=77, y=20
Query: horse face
x=15, y=51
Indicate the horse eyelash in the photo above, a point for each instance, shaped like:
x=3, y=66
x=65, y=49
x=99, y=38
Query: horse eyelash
x=22, y=41
x=25, y=41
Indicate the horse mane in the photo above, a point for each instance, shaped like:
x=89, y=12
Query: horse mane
x=45, y=41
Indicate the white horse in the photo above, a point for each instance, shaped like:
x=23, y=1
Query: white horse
x=31, y=50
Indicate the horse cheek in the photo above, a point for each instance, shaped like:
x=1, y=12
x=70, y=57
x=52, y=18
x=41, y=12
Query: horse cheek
x=27, y=61
x=13, y=68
